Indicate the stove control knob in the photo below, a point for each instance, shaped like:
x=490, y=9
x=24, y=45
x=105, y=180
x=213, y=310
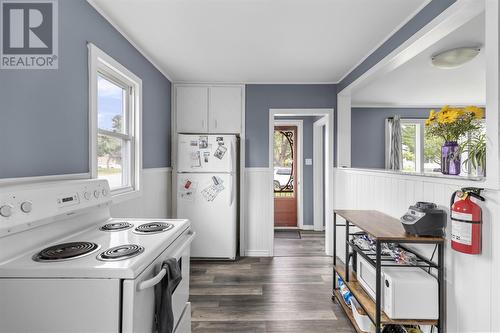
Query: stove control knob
x=6, y=210
x=104, y=192
x=96, y=194
x=26, y=207
x=86, y=195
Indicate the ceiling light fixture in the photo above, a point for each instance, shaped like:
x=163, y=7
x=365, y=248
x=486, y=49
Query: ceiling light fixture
x=455, y=57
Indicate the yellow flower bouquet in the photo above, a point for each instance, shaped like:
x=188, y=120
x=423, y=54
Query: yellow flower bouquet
x=451, y=124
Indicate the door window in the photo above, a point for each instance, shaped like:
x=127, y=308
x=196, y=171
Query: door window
x=284, y=161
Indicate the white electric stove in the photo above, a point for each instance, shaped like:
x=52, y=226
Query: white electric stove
x=67, y=266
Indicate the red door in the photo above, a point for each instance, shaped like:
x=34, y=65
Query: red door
x=285, y=176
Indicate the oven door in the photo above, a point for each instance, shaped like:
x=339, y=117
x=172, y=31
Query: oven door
x=139, y=296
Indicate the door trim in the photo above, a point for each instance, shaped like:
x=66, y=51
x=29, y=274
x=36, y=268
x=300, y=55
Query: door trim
x=300, y=164
x=318, y=146
x=329, y=117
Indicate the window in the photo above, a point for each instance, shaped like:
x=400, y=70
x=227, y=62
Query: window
x=284, y=146
x=421, y=152
x=115, y=122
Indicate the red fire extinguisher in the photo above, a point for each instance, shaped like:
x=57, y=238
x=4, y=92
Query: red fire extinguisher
x=466, y=220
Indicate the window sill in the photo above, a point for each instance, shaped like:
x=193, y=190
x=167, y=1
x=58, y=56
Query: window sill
x=461, y=181
x=122, y=195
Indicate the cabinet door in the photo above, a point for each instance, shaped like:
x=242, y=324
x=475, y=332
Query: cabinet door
x=225, y=109
x=192, y=109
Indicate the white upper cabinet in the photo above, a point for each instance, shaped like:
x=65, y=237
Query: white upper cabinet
x=224, y=114
x=191, y=109
x=209, y=109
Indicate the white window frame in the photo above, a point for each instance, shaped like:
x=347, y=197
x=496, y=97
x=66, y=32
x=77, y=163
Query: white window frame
x=101, y=64
x=419, y=142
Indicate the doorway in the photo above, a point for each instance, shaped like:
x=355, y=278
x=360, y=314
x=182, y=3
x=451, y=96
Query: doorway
x=297, y=187
x=286, y=173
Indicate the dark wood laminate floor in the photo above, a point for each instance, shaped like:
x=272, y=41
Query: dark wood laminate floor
x=288, y=293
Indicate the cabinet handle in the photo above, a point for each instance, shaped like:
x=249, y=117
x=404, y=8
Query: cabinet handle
x=215, y=123
x=203, y=124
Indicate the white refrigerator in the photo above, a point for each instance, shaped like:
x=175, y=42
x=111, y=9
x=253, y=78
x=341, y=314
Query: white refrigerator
x=207, y=192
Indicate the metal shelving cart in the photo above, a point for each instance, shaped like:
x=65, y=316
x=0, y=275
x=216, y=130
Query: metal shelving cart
x=383, y=229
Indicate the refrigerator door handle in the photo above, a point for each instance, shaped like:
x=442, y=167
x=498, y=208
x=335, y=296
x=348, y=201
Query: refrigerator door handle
x=233, y=157
x=231, y=192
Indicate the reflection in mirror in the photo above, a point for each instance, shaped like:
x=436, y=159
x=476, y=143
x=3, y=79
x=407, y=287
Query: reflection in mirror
x=427, y=115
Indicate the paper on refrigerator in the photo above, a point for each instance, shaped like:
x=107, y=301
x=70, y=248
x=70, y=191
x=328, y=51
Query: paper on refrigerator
x=212, y=191
x=187, y=189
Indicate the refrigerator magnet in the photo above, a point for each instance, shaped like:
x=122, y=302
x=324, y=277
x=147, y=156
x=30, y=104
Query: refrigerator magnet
x=195, y=159
x=220, y=152
x=203, y=142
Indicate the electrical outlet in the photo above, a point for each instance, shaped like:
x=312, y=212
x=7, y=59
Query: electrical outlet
x=309, y=161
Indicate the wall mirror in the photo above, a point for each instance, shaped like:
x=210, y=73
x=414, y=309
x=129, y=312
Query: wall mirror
x=393, y=127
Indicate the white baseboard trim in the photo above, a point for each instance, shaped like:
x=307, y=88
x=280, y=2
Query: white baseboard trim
x=257, y=253
x=307, y=227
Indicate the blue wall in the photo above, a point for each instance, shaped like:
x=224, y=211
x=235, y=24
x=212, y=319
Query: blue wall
x=368, y=133
x=307, y=172
x=262, y=97
x=44, y=113
x=427, y=14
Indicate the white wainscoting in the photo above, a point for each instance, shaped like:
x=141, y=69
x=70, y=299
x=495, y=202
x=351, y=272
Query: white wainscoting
x=258, y=218
x=155, y=200
x=471, y=281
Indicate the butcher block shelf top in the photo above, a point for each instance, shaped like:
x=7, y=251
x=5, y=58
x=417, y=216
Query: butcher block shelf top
x=382, y=227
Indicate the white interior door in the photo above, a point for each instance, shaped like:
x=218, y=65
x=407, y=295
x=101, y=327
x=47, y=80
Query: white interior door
x=209, y=202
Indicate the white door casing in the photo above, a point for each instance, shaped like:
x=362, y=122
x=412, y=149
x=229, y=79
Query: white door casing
x=269, y=228
x=318, y=169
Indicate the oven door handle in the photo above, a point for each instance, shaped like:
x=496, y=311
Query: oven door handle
x=153, y=281
x=158, y=277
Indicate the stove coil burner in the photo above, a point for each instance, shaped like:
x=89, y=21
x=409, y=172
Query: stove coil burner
x=153, y=227
x=121, y=252
x=116, y=226
x=66, y=251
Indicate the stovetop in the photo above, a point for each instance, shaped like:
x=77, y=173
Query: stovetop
x=98, y=251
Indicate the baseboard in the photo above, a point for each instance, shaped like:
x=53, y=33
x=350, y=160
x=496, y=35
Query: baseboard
x=307, y=227
x=257, y=253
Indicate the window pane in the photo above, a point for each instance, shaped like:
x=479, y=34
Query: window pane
x=409, y=143
x=471, y=145
x=112, y=159
x=110, y=105
x=432, y=153
x=284, y=159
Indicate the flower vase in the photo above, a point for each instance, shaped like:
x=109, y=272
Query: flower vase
x=450, y=158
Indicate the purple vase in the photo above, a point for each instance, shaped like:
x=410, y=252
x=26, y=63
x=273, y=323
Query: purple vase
x=450, y=158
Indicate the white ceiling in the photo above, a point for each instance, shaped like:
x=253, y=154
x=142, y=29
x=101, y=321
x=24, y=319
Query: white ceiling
x=418, y=83
x=272, y=41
